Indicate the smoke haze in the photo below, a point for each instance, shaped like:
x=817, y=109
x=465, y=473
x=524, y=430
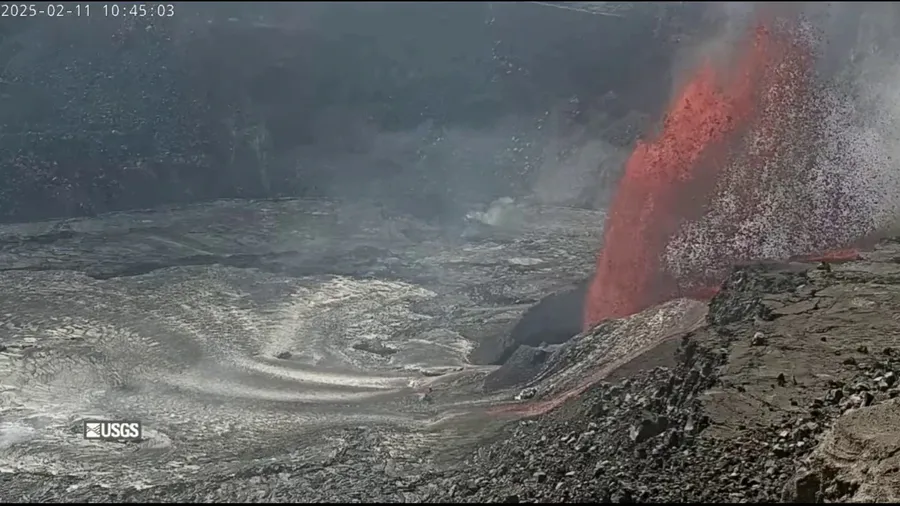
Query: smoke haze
x=428, y=107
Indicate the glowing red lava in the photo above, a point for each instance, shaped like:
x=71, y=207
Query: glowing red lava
x=757, y=110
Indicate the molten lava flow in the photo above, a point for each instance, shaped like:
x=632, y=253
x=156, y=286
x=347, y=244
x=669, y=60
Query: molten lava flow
x=755, y=113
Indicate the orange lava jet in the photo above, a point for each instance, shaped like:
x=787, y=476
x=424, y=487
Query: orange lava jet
x=752, y=125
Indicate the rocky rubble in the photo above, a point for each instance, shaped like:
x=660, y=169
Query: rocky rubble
x=787, y=394
x=621, y=433
x=861, y=411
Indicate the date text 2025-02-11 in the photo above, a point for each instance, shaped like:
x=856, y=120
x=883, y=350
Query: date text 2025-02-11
x=84, y=10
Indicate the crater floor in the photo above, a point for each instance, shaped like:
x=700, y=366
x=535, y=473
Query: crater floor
x=244, y=335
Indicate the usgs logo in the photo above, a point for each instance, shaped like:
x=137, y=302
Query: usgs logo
x=106, y=430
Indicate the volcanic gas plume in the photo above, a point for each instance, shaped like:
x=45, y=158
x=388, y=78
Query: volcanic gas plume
x=743, y=136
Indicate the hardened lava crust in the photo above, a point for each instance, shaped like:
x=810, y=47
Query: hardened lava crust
x=308, y=351
x=248, y=337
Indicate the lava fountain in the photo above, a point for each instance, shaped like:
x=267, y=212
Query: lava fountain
x=747, y=131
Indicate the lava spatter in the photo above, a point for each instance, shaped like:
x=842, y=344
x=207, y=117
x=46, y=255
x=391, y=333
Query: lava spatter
x=749, y=126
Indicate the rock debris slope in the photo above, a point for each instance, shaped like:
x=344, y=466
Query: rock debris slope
x=786, y=393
